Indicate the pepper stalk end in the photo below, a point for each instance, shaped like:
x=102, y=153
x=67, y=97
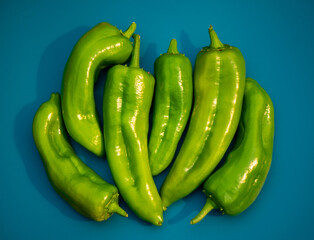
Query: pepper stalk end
x=129, y=32
x=209, y=205
x=214, y=40
x=135, y=58
x=115, y=208
x=173, y=49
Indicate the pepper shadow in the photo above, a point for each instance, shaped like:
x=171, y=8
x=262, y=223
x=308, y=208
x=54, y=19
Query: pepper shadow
x=49, y=78
x=147, y=59
x=188, y=48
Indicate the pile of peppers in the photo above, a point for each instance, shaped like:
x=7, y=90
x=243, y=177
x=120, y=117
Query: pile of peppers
x=218, y=106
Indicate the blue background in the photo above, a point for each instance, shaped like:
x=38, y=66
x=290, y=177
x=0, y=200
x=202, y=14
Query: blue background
x=276, y=39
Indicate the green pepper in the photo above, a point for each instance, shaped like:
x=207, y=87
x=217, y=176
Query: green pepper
x=236, y=185
x=172, y=106
x=127, y=100
x=219, y=81
x=102, y=46
x=75, y=182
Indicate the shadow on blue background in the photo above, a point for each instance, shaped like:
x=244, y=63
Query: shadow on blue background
x=189, y=49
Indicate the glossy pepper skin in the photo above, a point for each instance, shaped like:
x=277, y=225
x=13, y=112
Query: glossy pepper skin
x=219, y=81
x=127, y=100
x=172, y=106
x=102, y=46
x=236, y=185
x=75, y=182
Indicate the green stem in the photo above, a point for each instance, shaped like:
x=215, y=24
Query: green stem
x=135, y=59
x=115, y=208
x=214, y=40
x=209, y=205
x=173, y=47
x=129, y=32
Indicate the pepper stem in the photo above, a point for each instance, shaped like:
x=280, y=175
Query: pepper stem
x=135, y=59
x=209, y=205
x=115, y=208
x=173, y=47
x=214, y=40
x=129, y=32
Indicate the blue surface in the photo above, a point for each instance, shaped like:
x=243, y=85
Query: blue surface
x=275, y=38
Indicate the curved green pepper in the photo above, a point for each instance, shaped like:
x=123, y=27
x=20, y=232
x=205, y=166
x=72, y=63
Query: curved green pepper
x=219, y=81
x=236, y=185
x=127, y=100
x=75, y=182
x=102, y=46
x=172, y=106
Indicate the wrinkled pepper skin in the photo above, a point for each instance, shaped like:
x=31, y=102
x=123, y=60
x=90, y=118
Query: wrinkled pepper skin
x=102, y=46
x=219, y=81
x=236, y=185
x=172, y=106
x=75, y=182
x=127, y=100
